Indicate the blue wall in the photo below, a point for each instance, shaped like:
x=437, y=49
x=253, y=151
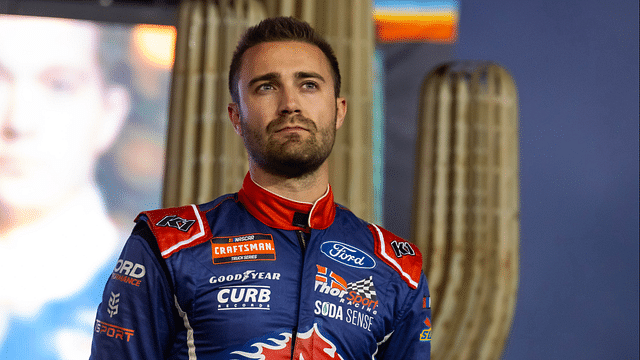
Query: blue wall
x=576, y=67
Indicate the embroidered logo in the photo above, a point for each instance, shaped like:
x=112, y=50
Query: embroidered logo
x=402, y=248
x=112, y=308
x=250, y=247
x=176, y=222
x=347, y=255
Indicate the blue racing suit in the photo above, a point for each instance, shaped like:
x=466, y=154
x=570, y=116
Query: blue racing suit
x=253, y=275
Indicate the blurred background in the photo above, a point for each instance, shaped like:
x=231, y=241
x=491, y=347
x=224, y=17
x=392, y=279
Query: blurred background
x=575, y=65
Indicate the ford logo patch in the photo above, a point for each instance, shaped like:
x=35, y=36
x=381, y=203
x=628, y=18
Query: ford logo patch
x=347, y=255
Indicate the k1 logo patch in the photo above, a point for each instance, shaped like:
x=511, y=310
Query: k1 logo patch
x=176, y=222
x=402, y=248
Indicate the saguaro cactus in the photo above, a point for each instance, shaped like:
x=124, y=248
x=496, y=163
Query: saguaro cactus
x=466, y=207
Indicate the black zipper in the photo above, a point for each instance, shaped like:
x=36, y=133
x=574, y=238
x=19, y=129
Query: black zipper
x=302, y=240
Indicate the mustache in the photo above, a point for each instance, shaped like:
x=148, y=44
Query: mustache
x=295, y=120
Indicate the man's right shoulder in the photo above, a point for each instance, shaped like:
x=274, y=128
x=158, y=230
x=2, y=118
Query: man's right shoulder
x=177, y=228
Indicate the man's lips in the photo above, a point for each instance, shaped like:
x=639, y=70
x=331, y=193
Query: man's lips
x=291, y=129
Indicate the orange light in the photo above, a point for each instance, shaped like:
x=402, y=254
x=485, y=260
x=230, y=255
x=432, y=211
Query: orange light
x=394, y=26
x=156, y=44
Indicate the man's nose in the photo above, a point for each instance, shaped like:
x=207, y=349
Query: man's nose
x=17, y=109
x=289, y=102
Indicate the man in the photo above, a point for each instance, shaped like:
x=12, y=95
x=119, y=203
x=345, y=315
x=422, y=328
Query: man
x=58, y=114
x=277, y=270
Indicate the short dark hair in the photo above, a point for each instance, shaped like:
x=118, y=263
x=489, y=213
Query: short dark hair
x=280, y=29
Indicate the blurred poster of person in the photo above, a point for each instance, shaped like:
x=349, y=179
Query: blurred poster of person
x=64, y=99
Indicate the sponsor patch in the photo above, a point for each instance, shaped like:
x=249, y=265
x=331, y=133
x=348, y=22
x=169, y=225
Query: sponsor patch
x=402, y=248
x=350, y=316
x=426, y=302
x=128, y=272
x=112, y=307
x=250, y=247
x=176, y=222
x=399, y=254
x=244, y=297
x=347, y=255
x=359, y=294
x=177, y=228
x=113, y=331
x=425, y=335
x=247, y=275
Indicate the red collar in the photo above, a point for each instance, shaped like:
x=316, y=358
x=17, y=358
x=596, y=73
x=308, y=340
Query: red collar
x=278, y=212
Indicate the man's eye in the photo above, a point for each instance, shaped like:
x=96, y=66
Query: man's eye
x=310, y=85
x=61, y=85
x=264, y=87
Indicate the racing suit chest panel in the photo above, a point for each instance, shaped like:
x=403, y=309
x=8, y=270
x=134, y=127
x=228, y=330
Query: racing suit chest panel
x=344, y=289
x=243, y=281
x=233, y=290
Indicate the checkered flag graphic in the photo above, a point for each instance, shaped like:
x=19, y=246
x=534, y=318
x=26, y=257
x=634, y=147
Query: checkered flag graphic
x=364, y=288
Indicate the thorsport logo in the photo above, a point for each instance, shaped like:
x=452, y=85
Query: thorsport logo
x=128, y=272
x=402, y=248
x=244, y=298
x=347, y=255
x=176, y=222
x=247, y=275
x=360, y=294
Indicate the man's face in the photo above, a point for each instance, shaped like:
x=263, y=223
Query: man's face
x=288, y=113
x=56, y=115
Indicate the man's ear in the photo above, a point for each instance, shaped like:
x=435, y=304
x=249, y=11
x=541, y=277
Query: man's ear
x=341, y=111
x=234, y=116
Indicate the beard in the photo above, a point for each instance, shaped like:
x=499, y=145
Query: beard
x=293, y=155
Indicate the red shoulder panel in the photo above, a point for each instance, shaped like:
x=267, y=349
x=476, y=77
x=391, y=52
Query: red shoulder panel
x=398, y=253
x=177, y=228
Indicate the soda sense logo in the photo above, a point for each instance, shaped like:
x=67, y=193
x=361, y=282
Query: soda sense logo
x=347, y=255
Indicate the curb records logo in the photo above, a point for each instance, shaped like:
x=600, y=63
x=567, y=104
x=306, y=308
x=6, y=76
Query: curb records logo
x=244, y=297
x=250, y=247
x=347, y=255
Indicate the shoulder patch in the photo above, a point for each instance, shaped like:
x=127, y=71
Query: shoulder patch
x=398, y=253
x=177, y=228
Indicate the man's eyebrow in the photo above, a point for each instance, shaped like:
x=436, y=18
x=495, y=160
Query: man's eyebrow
x=307, y=74
x=265, y=77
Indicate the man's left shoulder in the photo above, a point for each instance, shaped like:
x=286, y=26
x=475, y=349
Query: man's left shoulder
x=401, y=255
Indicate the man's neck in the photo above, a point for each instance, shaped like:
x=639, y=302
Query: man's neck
x=307, y=188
